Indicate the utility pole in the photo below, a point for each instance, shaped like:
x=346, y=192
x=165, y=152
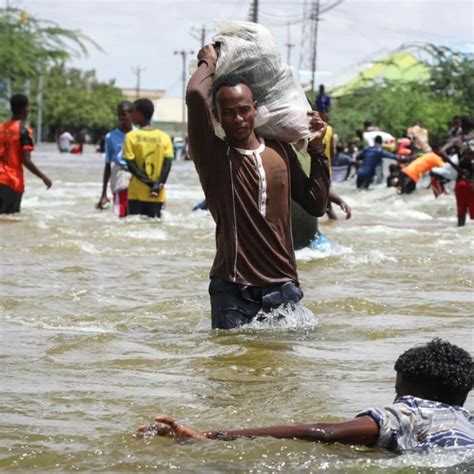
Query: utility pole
x=288, y=45
x=184, y=54
x=39, y=116
x=317, y=10
x=200, y=34
x=138, y=72
x=314, y=43
x=254, y=11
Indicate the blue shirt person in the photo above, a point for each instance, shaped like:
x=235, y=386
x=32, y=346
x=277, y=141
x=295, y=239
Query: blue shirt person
x=115, y=165
x=369, y=158
x=323, y=101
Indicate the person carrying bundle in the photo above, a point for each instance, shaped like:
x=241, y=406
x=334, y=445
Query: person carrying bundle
x=249, y=182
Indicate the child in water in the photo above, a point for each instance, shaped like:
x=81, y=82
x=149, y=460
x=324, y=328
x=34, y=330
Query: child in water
x=432, y=384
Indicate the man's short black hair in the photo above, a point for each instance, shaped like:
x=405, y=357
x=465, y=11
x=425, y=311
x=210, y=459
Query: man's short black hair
x=378, y=139
x=18, y=102
x=443, y=371
x=228, y=80
x=145, y=107
x=367, y=123
x=125, y=104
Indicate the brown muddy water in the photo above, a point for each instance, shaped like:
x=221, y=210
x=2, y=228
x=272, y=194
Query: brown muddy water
x=104, y=323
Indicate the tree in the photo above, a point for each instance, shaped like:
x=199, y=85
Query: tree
x=394, y=106
x=29, y=45
x=76, y=100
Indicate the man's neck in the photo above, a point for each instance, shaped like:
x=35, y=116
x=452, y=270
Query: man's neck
x=18, y=117
x=125, y=129
x=251, y=143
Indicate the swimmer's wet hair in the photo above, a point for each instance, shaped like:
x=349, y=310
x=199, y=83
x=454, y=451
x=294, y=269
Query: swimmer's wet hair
x=228, y=80
x=443, y=371
x=145, y=107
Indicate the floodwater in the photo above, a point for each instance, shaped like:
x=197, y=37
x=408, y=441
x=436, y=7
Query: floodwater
x=104, y=323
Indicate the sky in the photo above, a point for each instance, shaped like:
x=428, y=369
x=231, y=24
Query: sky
x=146, y=34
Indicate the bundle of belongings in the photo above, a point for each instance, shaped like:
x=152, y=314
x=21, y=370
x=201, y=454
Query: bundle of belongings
x=248, y=52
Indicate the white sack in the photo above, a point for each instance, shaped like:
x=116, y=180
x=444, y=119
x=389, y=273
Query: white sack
x=248, y=51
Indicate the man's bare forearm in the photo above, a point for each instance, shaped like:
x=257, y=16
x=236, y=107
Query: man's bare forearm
x=362, y=430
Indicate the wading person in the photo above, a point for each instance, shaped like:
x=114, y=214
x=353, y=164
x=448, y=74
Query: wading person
x=16, y=145
x=432, y=384
x=149, y=155
x=248, y=183
x=115, y=166
x=369, y=158
x=464, y=146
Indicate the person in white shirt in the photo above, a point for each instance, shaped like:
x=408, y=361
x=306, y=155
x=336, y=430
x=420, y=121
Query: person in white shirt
x=64, y=141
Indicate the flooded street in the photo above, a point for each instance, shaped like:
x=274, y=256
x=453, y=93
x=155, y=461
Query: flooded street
x=105, y=323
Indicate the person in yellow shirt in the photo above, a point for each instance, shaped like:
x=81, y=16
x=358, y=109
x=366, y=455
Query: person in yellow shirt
x=149, y=154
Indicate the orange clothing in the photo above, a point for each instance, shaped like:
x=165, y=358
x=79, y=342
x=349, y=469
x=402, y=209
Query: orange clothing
x=15, y=137
x=421, y=165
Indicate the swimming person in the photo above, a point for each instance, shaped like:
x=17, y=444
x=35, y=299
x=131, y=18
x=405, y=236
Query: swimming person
x=432, y=384
x=248, y=183
x=16, y=145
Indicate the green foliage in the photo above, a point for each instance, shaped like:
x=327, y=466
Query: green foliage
x=394, y=106
x=4, y=112
x=76, y=100
x=28, y=45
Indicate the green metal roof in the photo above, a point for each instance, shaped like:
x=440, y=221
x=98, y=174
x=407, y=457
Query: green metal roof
x=401, y=66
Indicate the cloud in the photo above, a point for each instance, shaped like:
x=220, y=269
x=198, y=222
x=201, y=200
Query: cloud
x=146, y=33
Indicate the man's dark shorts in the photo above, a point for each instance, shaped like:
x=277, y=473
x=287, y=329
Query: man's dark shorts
x=10, y=201
x=233, y=305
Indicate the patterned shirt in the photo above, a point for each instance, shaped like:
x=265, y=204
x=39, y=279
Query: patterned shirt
x=415, y=424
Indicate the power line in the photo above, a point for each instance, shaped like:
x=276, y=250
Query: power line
x=138, y=72
x=288, y=44
x=183, y=53
x=254, y=12
x=317, y=10
x=200, y=34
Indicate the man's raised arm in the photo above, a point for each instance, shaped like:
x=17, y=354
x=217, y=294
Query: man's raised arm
x=312, y=192
x=200, y=127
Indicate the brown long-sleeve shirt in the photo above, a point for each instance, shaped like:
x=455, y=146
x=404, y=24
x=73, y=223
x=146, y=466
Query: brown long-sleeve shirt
x=248, y=194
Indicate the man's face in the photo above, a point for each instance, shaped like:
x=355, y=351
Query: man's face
x=124, y=116
x=235, y=111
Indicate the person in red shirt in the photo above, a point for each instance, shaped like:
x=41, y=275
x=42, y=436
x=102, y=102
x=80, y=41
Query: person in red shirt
x=16, y=145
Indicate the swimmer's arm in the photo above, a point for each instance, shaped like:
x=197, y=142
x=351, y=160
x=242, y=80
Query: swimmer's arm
x=362, y=430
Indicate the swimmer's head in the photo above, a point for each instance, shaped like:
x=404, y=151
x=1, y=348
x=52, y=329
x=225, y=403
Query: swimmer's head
x=437, y=371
